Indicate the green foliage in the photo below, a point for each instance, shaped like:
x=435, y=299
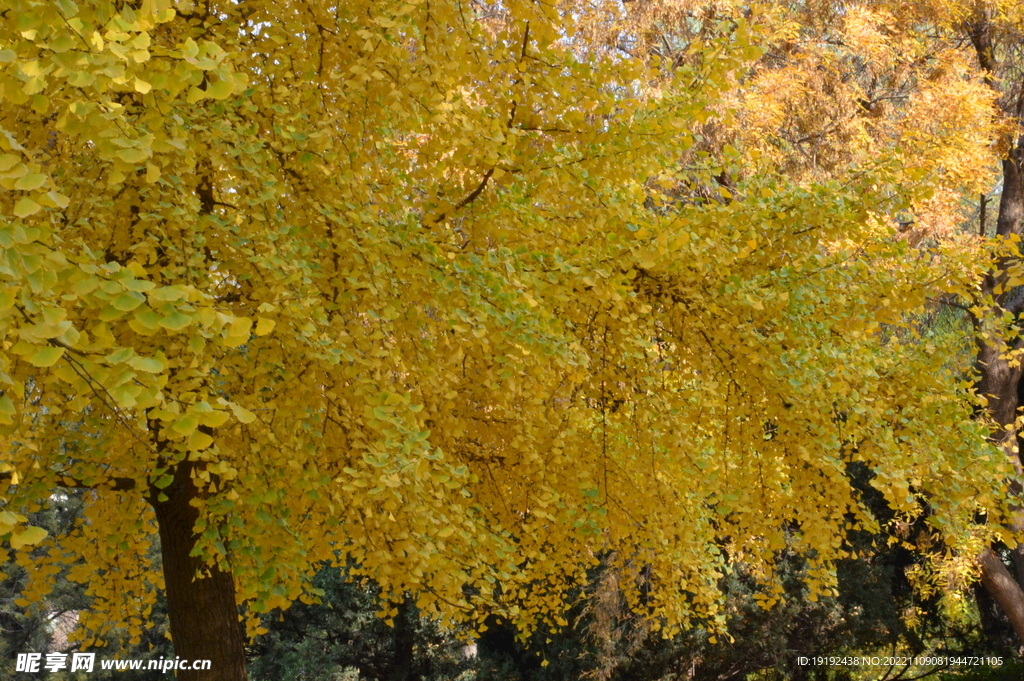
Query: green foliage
x=318, y=642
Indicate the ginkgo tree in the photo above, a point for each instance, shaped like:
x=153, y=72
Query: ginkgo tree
x=386, y=284
x=933, y=88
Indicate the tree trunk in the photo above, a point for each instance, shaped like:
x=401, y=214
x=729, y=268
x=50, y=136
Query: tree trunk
x=1004, y=589
x=200, y=599
x=405, y=639
x=1011, y=203
x=999, y=383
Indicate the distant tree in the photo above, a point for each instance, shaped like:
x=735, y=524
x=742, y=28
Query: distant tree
x=318, y=642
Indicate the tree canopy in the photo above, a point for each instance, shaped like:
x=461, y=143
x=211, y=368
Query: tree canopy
x=463, y=297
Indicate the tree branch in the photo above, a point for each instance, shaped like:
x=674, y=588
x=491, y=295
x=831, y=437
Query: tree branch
x=112, y=484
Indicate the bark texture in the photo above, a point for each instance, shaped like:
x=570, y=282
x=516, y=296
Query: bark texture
x=203, y=613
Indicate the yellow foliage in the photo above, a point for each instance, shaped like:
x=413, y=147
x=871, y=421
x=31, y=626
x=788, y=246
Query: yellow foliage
x=389, y=278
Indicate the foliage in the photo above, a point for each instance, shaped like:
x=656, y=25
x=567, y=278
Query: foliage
x=23, y=623
x=605, y=641
x=847, y=85
x=930, y=91
x=318, y=641
x=876, y=611
x=344, y=634
x=32, y=626
x=395, y=283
